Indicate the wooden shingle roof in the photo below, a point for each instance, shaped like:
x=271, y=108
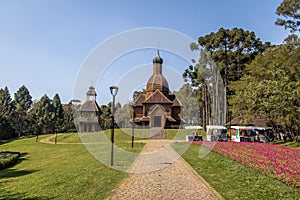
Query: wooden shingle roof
x=139, y=100
x=157, y=97
x=89, y=106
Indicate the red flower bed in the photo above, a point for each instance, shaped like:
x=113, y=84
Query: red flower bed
x=275, y=161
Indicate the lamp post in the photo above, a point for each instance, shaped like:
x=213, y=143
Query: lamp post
x=230, y=126
x=55, y=137
x=132, y=134
x=113, y=91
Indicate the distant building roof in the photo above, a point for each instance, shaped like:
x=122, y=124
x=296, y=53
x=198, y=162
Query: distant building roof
x=89, y=106
x=91, y=91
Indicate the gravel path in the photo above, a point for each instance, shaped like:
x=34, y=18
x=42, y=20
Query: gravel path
x=47, y=140
x=160, y=173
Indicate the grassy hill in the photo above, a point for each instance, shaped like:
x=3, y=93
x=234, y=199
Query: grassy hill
x=64, y=171
x=69, y=171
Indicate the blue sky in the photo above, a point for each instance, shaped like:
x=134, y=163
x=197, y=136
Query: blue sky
x=43, y=43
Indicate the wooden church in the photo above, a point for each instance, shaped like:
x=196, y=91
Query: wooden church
x=157, y=108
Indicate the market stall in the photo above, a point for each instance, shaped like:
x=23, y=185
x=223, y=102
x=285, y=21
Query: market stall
x=216, y=133
x=248, y=133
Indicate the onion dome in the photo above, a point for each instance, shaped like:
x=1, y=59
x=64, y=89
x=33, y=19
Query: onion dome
x=158, y=59
x=157, y=81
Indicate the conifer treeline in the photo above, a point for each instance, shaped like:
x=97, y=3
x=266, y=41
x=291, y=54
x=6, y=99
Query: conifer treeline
x=20, y=116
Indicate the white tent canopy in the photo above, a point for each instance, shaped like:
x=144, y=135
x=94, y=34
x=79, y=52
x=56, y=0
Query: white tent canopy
x=193, y=127
x=215, y=127
x=249, y=128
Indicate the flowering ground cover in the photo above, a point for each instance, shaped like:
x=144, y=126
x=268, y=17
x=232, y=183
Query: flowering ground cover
x=279, y=162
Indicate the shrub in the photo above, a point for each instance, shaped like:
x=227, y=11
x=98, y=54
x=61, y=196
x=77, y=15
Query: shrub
x=8, y=159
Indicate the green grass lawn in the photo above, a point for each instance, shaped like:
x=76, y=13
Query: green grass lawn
x=125, y=134
x=69, y=171
x=64, y=171
x=295, y=145
x=67, y=138
x=143, y=134
x=234, y=181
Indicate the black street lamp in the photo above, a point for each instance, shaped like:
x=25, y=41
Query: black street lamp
x=55, y=137
x=113, y=91
x=132, y=134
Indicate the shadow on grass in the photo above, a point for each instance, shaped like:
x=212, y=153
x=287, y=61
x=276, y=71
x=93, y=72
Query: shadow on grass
x=7, y=141
x=10, y=173
x=20, y=159
x=16, y=138
x=17, y=196
x=13, y=161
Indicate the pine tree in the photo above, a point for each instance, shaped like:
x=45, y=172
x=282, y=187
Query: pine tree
x=21, y=120
x=58, y=113
x=45, y=115
x=68, y=122
x=231, y=50
x=289, y=10
x=6, y=109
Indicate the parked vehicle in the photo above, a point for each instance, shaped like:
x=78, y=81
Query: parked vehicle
x=216, y=133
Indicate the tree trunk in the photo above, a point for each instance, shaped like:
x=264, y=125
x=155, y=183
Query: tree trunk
x=208, y=111
x=203, y=108
x=225, y=105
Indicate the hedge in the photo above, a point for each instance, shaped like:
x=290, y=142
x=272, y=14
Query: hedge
x=8, y=159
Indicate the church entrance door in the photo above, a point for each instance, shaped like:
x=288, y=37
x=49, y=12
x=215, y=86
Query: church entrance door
x=157, y=121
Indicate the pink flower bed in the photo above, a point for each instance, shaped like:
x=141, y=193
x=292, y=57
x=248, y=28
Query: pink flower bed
x=279, y=162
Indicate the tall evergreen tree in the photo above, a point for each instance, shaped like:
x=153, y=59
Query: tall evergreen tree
x=58, y=113
x=68, y=122
x=5, y=102
x=6, y=109
x=105, y=118
x=21, y=120
x=45, y=115
x=289, y=11
x=22, y=98
x=231, y=50
x=292, y=40
x=32, y=115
